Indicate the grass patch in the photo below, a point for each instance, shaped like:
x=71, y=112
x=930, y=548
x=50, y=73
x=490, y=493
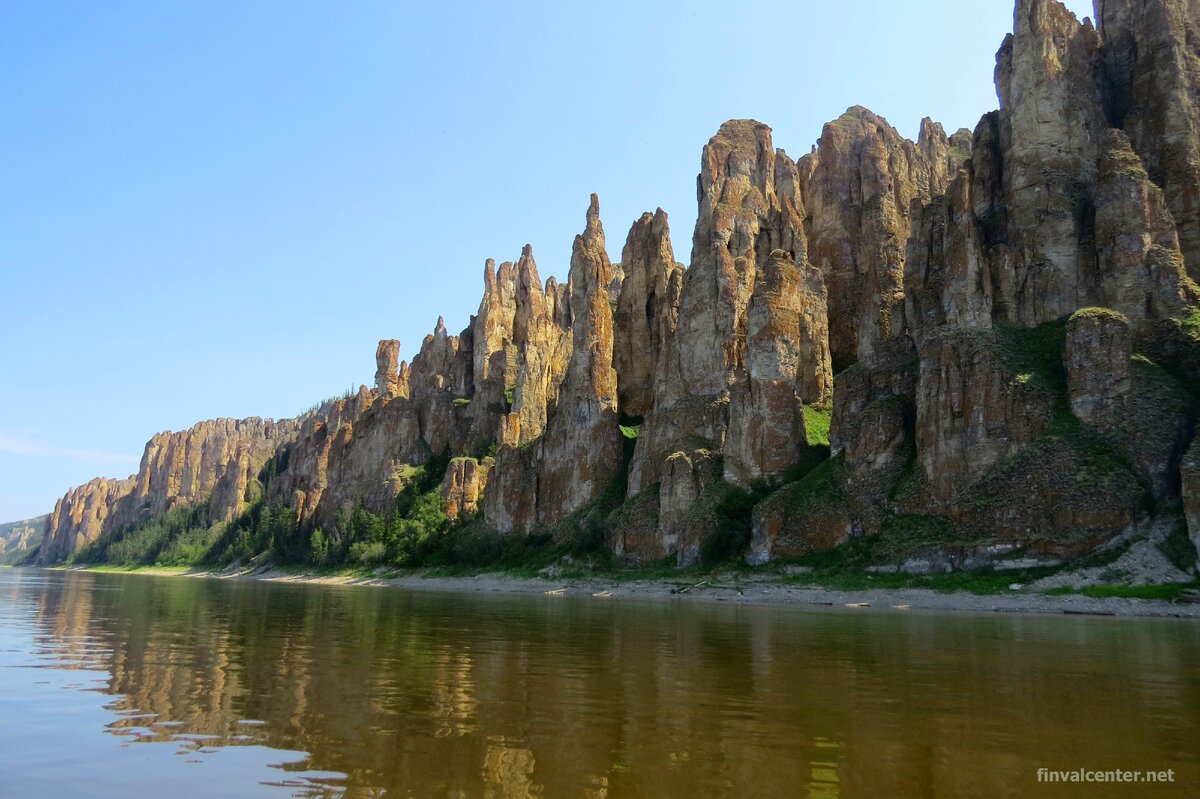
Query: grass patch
x=1168, y=592
x=1034, y=354
x=1100, y=313
x=816, y=425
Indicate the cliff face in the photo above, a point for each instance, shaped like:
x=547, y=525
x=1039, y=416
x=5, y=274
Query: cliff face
x=541, y=474
x=1007, y=310
x=858, y=186
x=216, y=461
x=19, y=540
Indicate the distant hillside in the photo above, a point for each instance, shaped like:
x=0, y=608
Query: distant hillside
x=20, y=539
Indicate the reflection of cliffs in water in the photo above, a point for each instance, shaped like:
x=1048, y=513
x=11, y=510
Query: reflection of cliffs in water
x=511, y=696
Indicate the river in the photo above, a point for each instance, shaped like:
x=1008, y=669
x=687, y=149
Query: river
x=116, y=685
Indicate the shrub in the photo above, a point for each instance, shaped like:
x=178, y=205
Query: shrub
x=367, y=553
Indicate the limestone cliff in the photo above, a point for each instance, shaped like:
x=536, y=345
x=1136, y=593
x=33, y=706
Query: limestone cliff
x=1008, y=310
x=215, y=462
x=579, y=452
x=21, y=539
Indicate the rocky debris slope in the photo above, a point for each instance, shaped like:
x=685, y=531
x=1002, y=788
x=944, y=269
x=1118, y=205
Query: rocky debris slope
x=1008, y=310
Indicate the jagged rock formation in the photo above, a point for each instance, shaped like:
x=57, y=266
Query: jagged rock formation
x=1140, y=267
x=20, y=539
x=1051, y=120
x=387, y=371
x=216, y=462
x=1099, y=370
x=647, y=310
x=972, y=411
x=80, y=516
x=785, y=318
x=580, y=451
x=750, y=207
x=464, y=484
x=857, y=187
x=1052, y=211
x=1009, y=310
x=1152, y=91
x=947, y=274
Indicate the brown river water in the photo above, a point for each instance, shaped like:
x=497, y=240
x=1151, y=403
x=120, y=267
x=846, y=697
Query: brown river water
x=129, y=686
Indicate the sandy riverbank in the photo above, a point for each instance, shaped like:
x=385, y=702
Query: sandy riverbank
x=756, y=590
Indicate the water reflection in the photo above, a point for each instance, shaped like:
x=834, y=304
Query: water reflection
x=370, y=693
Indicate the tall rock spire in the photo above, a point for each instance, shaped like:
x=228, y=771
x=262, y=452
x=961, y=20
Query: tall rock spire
x=580, y=453
x=647, y=310
x=1051, y=122
x=1152, y=68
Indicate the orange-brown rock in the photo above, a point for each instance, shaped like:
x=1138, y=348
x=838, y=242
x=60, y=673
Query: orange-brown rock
x=80, y=517
x=543, y=350
x=185, y=467
x=387, y=374
x=580, y=452
x=647, y=310
x=213, y=462
x=748, y=196
x=358, y=451
x=463, y=485
x=787, y=359
x=858, y=186
x=750, y=205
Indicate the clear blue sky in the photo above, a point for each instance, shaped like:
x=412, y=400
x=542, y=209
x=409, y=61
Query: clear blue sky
x=217, y=208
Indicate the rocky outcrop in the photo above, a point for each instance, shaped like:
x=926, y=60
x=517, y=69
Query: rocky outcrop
x=787, y=358
x=215, y=462
x=858, y=186
x=944, y=155
x=1152, y=71
x=1051, y=122
x=186, y=467
x=464, y=484
x=947, y=279
x=238, y=486
x=387, y=373
x=81, y=516
x=358, y=451
x=1134, y=405
x=21, y=539
x=1099, y=371
x=1140, y=269
x=938, y=275
x=750, y=206
x=543, y=348
x=580, y=452
x=748, y=196
x=972, y=410
x=685, y=479
x=647, y=310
